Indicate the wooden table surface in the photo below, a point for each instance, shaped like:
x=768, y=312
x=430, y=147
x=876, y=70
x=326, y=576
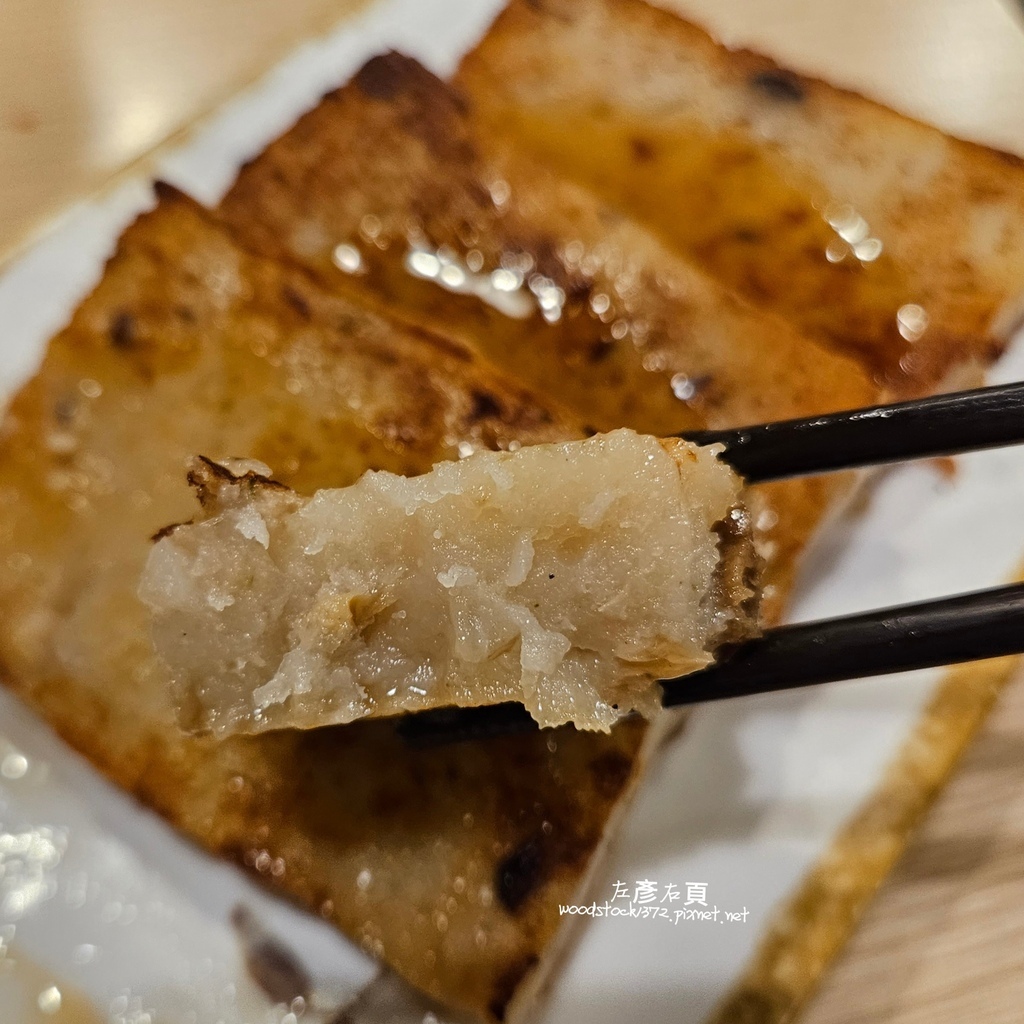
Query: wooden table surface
x=90, y=87
x=943, y=941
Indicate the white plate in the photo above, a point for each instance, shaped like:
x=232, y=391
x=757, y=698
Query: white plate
x=105, y=898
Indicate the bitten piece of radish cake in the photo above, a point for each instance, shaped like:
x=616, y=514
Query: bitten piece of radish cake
x=568, y=577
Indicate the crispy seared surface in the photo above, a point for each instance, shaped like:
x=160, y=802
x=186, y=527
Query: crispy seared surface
x=447, y=863
x=390, y=164
x=742, y=164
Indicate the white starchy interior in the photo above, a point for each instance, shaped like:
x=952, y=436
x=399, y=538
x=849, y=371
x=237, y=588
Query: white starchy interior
x=566, y=576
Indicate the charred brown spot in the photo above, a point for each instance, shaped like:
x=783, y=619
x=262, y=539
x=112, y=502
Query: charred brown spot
x=25, y=122
x=253, y=161
x=561, y=11
x=737, y=576
x=779, y=84
x=64, y=411
x=609, y=773
x=519, y=416
x=348, y=324
x=485, y=406
x=122, y=330
x=577, y=291
x=271, y=965
x=1009, y=158
x=443, y=345
x=380, y=78
x=205, y=476
x=166, y=531
x=642, y=149
x=795, y=216
x=390, y=75
x=520, y=873
x=598, y=352
x=209, y=470
x=296, y=301
x=507, y=983
x=168, y=193
x=544, y=252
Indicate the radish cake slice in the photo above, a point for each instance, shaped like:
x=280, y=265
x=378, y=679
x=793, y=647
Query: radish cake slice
x=568, y=577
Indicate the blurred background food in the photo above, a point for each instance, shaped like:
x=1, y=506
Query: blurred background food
x=91, y=87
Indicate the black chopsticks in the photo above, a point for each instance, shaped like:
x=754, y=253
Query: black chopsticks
x=952, y=424
x=441, y=726
x=948, y=631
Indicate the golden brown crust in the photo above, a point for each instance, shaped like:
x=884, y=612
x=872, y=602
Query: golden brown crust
x=447, y=863
x=356, y=157
x=741, y=164
x=738, y=577
x=643, y=339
